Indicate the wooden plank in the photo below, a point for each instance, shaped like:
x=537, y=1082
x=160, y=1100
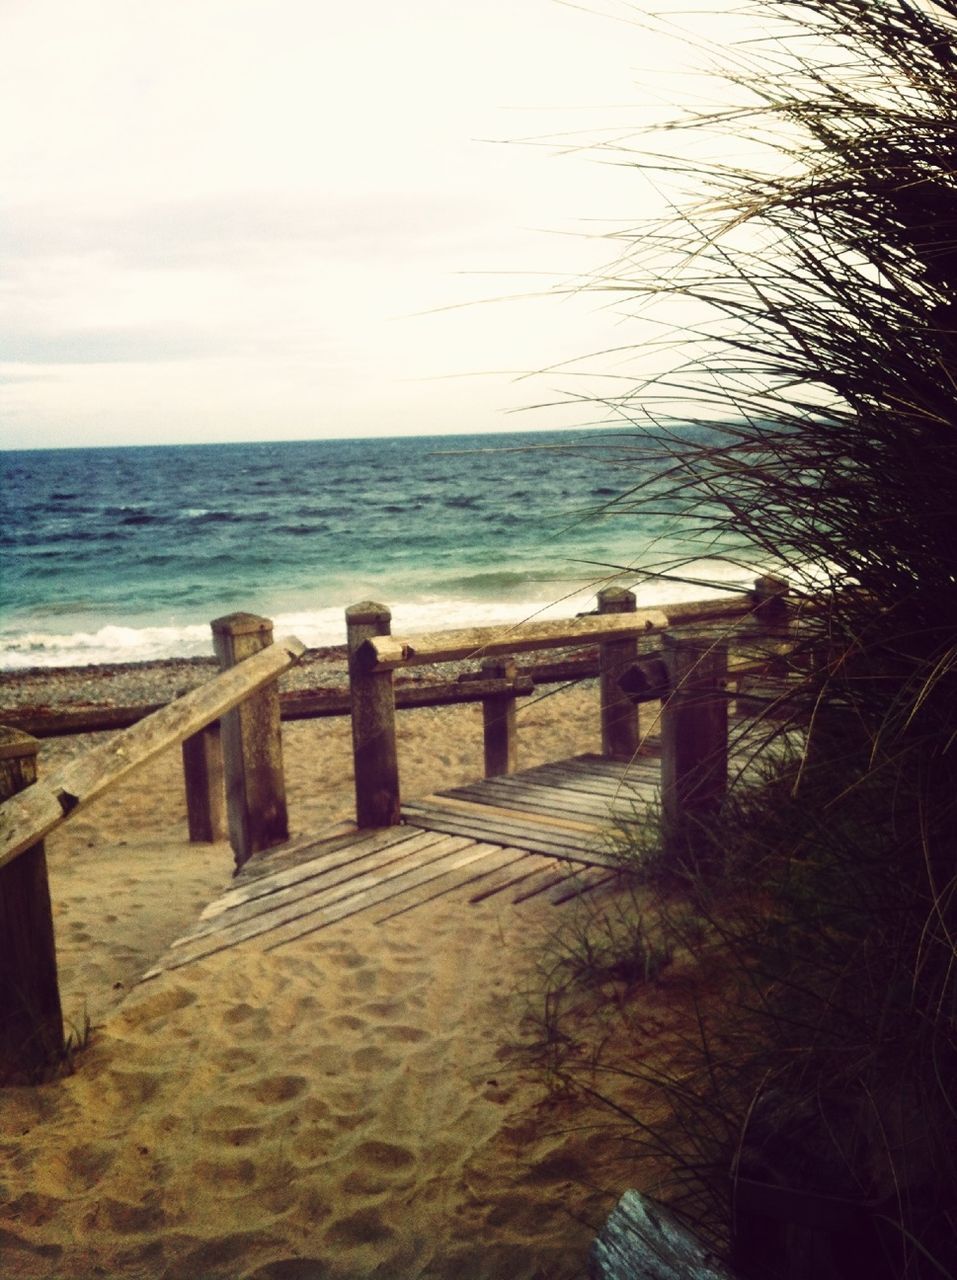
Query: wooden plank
x=510, y=833
x=528, y=865
x=303, y=905
x=25, y=820
x=541, y=883
x=388, y=652
x=643, y=1239
x=637, y=772
x=379, y=865
x=618, y=768
x=457, y=879
x=345, y=855
x=536, y=798
x=584, y=882
x=382, y=892
x=569, y=781
x=519, y=826
x=571, y=825
x=555, y=792
x=269, y=861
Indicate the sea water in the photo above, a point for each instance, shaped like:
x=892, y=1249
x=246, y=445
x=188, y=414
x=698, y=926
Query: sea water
x=127, y=554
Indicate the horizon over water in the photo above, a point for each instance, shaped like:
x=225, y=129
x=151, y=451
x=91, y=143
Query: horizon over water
x=125, y=554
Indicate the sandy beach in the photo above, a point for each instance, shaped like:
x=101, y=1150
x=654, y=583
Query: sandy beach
x=350, y=1105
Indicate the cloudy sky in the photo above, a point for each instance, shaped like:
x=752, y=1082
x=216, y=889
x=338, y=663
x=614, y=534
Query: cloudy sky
x=251, y=219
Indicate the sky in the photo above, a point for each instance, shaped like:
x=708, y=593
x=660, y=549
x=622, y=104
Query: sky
x=250, y=219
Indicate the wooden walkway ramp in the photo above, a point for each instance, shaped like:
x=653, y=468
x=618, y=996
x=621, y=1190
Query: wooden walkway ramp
x=544, y=831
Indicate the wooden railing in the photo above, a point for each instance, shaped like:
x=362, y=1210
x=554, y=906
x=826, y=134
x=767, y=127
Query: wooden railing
x=229, y=729
x=691, y=662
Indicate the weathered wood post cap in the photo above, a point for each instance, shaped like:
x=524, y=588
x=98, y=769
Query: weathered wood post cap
x=367, y=613
x=240, y=624
x=769, y=598
x=769, y=584
x=616, y=600
x=17, y=745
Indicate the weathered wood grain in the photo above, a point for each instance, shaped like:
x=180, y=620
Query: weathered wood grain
x=373, y=721
x=28, y=817
x=500, y=738
x=490, y=810
x=455, y=880
x=540, y=840
x=474, y=851
x=205, y=782
x=619, y=716
x=528, y=865
x=31, y=1021
x=347, y=853
x=304, y=904
x=643, y=1241
x=251, y=737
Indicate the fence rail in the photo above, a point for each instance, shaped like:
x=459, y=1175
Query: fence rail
x=229, y=729
x=375, y=655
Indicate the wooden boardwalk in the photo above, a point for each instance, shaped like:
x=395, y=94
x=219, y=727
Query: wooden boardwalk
x=543, y=831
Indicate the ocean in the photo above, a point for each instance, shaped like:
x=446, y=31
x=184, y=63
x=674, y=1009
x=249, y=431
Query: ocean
x=126, y=554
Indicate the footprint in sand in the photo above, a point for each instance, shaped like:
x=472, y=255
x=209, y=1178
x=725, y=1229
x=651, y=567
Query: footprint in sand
x=275, y=1089
x=122, y=1218
x=135, y=1086
x=379, y=1166
x=228, y=1177
x=372, y=1060
x=347, y=1022
x=231, y=1059
x=398, y=1033
x=158, y=1005
x=384, y=1008
x=79, y=1168
x=290, y=1269
x=367, y=1226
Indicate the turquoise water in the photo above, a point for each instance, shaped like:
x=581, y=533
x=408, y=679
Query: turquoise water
x=127, y=554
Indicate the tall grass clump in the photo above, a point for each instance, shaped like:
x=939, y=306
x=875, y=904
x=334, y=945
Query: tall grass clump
x=812, y=425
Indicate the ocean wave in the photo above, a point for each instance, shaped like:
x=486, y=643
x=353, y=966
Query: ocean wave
x=38, y=646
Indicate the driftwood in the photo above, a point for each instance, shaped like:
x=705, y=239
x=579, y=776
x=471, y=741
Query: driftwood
x=642, y=1241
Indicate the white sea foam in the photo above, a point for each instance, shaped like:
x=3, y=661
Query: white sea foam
x=25, y=647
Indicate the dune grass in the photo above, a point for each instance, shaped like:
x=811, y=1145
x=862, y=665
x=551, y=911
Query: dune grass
x=818, y=432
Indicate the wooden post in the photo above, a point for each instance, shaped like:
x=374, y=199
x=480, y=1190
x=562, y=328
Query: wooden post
x=619, y=715
x=770, y=601
x=373, y=722
x=205, y=785
x=251, y=745
x=498, y=715
x=694, y=739
x=31, y=1021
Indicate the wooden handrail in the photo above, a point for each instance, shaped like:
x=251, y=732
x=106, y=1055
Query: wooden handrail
x=28, y=817
x=388, y=653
